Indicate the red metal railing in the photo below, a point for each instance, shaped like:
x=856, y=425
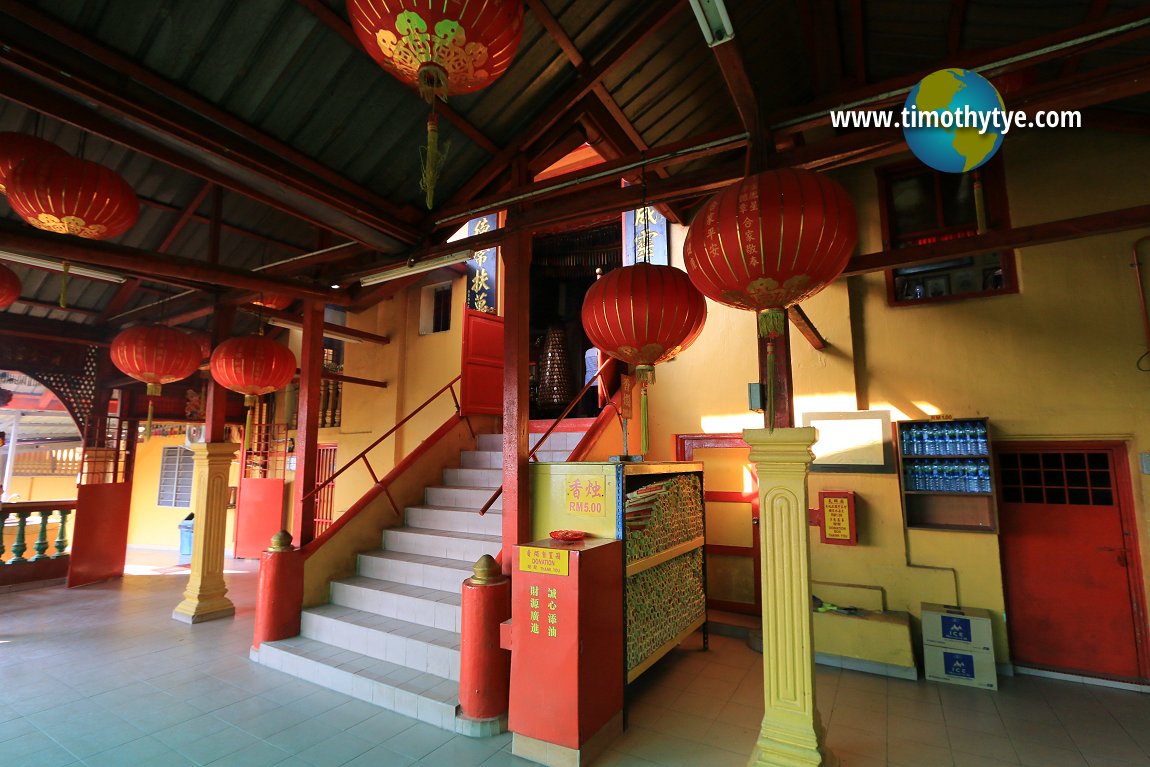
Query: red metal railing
x=449, y=387
x=597, y=379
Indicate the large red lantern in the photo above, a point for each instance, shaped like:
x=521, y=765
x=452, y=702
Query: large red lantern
x=444, y=49
x=66, y=195
x=9, y=287
x=15, y=148
x=156, y=355
x=643, y=315
x=252, y=366
x=768, y=242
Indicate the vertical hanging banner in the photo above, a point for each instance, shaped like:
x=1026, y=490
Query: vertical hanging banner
x=645, y=237
x=482, y=268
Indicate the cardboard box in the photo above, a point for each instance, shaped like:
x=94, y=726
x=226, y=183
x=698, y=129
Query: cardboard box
x=970, y=669
x=960, y=628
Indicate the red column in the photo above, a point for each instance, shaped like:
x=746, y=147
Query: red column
x=485, y=668
x=279, y=594
x=307, y=422
x=516, y=336
x=217, y=403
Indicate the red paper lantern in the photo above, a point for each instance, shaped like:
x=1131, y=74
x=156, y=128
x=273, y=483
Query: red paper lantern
x=252, y=366
x=643, y=315
x=66, y=195
x=273, y=301
x=155, y=354
x=771, y=240
x=445, y=48
x=9, y=287
x=15, y=148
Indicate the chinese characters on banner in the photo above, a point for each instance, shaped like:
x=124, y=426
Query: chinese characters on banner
x=645, y=237
x=585, y=495
x=838, y=517
x=544, y=611
x=482, y=268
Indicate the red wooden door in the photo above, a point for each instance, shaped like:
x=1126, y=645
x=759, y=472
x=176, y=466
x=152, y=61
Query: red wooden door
x=100, y=533
x=1070, y=559
x=481, y=387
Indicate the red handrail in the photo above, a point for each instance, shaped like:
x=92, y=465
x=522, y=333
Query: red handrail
x=363, y=454
x=570, y=406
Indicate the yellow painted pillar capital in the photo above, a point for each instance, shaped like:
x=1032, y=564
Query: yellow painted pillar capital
x=205, y=599
x=791, y=734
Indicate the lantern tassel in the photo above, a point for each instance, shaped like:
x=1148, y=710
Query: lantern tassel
x=64, y=286
x=432, y=159
x=148, y=428
x=645, y=439
x=772, y=323
x=247, y=431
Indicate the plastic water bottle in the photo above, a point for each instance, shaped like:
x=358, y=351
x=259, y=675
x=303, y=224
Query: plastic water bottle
x=929, y=441
x=972, y=483
x=984, y=476
x=979, y=439
x=935, y=481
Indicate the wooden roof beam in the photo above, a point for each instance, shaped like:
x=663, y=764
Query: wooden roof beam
x=955, y=26
x=1096, y=11
x=804, y=325
x=190, y=120
x=628, y=38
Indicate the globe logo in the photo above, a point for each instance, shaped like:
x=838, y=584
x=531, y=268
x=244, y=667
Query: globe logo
x=953, y=120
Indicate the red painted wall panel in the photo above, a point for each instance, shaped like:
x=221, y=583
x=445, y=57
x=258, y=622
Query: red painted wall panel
x=100, y=534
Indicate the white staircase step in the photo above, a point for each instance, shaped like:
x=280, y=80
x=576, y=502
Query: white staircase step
x=415, y=569
x=441, y=543
x=490, y=442
x=467, y=520
x=435, y=608
x=481, y=459
x=423, y=648
x=466, y=477
x=461, y=497
x=426, y=697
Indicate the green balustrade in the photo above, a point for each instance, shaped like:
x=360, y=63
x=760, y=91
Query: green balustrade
x=62, y=535
x=3, y=519
x=41, y=544
x=18, y=546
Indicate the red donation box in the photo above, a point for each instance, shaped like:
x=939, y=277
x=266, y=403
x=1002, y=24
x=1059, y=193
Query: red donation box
x=567, y=649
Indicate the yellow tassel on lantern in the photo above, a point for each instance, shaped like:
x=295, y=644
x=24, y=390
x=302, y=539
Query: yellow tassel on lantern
x=433, y=159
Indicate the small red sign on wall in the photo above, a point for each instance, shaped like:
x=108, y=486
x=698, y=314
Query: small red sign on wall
x=838, y=515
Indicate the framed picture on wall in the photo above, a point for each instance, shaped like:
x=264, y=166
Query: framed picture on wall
x=937, y=286
x=852, y=442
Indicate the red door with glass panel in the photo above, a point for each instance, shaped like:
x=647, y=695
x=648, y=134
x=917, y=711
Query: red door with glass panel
x=1070, y=561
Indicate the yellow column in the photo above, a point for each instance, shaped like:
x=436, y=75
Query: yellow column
x=204, y=598
x=791, y=734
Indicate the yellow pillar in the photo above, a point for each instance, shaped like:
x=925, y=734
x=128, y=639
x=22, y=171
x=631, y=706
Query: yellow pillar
x=205, y=599
x=791, y=734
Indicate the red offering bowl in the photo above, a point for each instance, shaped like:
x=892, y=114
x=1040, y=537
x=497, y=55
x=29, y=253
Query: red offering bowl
x=568, y=536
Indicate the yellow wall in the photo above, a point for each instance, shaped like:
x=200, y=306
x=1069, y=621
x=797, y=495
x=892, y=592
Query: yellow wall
x=156, y=527
x=44, y=488
x=1055, y=361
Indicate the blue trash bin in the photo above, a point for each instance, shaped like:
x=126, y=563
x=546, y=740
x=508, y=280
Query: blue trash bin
x=186, y=528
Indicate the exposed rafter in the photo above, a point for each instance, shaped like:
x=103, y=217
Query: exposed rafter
x=74, y=64
x=955, y=26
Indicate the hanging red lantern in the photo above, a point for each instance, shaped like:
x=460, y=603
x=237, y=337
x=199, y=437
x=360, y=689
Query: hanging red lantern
x=768, y=242
x=155, y=355
x=443, y=49
x=252, y=366
x=644, y=314
x=9, y=287
x=15, y=148
x=273, y=301
x=66, y=195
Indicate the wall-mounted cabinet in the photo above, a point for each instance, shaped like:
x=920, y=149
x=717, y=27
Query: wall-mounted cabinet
x=946, y=474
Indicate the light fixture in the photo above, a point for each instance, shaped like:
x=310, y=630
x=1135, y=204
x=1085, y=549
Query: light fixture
x=713, y=20
x=58, y=266
x=327, y=332
x=417, y=267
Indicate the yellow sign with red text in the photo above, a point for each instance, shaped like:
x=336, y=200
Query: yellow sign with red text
x=542, y=560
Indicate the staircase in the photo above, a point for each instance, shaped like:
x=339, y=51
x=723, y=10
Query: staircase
x=390, y=635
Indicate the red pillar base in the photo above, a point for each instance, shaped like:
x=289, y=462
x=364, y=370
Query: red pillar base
x=485, y=668
x=279, y=595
